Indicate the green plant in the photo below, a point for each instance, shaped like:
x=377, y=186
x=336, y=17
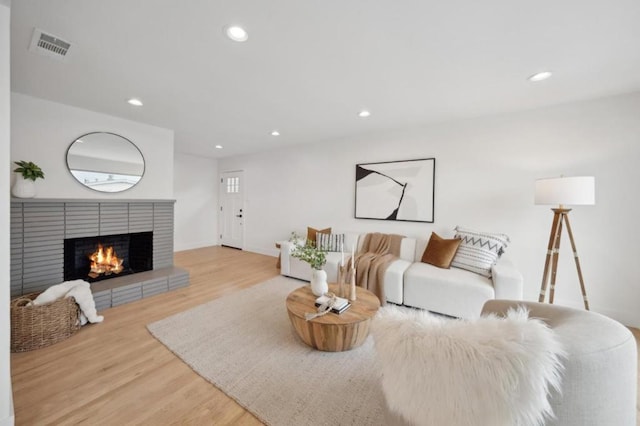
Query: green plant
x=29, y=170
x=308, y=252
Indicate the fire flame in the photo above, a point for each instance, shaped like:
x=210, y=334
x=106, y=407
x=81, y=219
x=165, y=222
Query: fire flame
x=105, y=261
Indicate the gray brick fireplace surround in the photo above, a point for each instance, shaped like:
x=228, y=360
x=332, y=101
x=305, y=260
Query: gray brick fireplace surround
x=40, y=226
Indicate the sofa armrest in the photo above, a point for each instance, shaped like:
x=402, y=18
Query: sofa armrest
x=507, y=280
x=286, y=247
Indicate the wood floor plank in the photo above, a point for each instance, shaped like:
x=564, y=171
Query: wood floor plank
x=116, y=373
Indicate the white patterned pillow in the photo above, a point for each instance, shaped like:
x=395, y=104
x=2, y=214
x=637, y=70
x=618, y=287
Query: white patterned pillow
x=330, y=242
x=478, y=251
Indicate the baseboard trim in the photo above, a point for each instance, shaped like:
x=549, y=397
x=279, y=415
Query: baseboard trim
x=627, y=318
x=273, y=252
x=194, y=245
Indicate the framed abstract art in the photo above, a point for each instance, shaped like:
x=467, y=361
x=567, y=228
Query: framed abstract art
x=396, y=190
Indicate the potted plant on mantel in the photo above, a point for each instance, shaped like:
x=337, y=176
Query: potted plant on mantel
x=316, y=258
x=28, y=172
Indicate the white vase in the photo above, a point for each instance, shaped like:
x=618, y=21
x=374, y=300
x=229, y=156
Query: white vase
x=319, y=284
x=23, y=188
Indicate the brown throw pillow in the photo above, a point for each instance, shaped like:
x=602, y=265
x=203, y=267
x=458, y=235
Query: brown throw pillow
x=440, y=252
x=311, y=234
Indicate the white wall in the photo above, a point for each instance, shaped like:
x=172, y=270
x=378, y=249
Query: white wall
x=195, y=189
x=6, y=405
x=41, y=131
x=485, y=173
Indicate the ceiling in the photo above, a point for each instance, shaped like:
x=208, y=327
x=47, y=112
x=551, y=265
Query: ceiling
x=310, y=66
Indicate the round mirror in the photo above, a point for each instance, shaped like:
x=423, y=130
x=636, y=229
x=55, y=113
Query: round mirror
x=105, y=162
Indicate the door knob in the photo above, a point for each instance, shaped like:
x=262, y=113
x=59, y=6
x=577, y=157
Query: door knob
x=238, y=215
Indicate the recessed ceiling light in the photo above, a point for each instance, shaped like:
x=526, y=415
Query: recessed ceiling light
x=540, y=76
x=134, y=102
x=218, y=146
x=275, y=133
x=364, y=113
x=236, y=33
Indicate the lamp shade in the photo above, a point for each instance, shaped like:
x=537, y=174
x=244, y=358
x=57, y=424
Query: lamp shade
x=578, y=190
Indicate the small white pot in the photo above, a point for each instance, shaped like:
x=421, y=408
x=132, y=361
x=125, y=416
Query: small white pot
x=319, y=284
x=23, y=188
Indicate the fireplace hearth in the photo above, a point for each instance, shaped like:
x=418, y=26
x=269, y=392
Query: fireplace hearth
x=107, y=256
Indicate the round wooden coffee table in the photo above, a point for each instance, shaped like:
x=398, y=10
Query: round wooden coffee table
x=332, y=332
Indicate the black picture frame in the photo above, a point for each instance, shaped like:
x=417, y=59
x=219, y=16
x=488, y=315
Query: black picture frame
x=396, y=190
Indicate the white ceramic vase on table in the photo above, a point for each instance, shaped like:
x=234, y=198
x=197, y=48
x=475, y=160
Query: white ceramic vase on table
x=319, y=284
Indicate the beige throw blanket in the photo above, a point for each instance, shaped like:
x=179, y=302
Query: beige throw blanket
x=373, y=259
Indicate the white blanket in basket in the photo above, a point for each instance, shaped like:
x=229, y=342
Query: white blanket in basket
x=79, y=290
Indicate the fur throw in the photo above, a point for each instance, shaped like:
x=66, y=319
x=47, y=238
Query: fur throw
x=487, y=372
x=80, y=290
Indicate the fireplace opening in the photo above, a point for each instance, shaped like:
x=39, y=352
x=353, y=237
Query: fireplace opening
x=107, y=256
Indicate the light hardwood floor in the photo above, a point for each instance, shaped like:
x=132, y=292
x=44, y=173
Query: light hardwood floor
x=116, y=373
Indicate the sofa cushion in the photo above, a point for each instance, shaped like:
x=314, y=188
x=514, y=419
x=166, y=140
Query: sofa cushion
x=455, y=292
x=393, y=281
x=478, y=251
x=311, y=234
x=439, y=251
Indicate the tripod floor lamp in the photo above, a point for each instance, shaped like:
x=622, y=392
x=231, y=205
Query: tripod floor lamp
x=562, y=191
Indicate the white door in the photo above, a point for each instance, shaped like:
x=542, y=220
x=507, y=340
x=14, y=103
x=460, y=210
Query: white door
x=231, y=209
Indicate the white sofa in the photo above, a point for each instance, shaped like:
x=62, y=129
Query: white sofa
x=408, y=281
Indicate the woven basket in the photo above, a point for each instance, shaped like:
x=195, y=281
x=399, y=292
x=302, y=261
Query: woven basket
x=37, y=326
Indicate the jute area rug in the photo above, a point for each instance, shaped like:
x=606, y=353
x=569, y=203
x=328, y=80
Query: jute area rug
x=244, y=344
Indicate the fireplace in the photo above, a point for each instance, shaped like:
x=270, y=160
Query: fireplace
x=39, y=228
x=107, y=256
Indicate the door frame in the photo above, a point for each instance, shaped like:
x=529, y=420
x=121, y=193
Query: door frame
x=243, y=196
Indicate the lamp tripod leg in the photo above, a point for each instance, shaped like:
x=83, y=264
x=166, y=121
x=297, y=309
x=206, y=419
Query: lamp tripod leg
x=550, y=250
x=575, y=256
x=554, y=261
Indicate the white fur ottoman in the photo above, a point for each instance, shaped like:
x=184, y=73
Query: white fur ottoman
x=599, y=384
x=488, y=371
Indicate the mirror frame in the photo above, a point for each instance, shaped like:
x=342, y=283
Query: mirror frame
x=144, y=162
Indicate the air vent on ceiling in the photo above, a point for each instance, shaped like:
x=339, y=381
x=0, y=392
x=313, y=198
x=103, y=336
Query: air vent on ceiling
x=49, y=45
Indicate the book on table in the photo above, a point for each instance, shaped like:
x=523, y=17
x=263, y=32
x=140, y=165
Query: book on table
x=339, y=306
